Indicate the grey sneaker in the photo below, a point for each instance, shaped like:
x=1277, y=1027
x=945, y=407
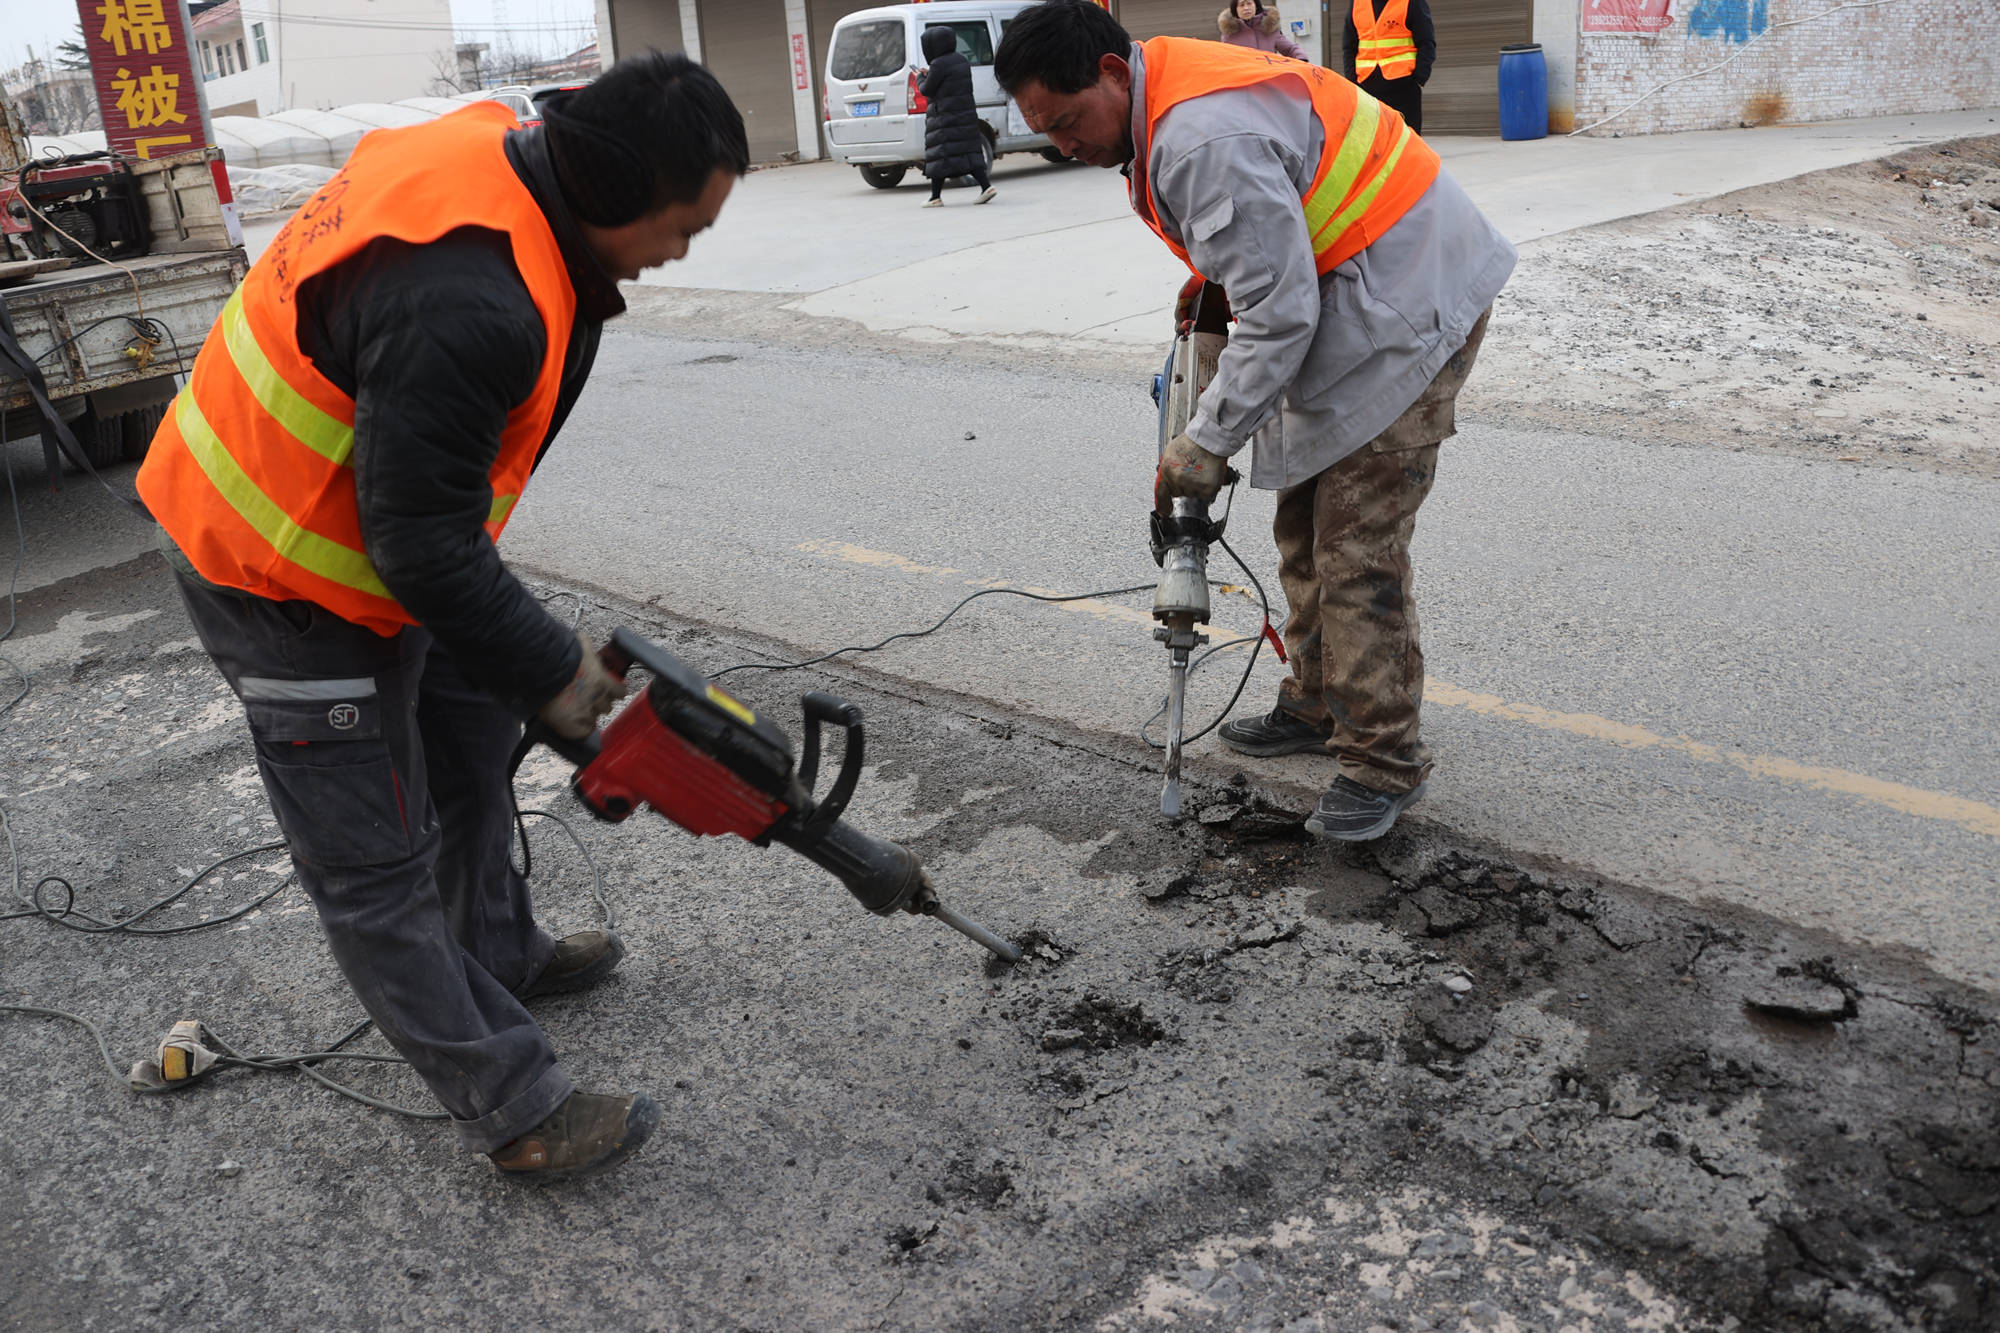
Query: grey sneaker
x=582, y=960
x=987, y=197
x=587, y=1133
x=1276, y=733
x=1350, y=812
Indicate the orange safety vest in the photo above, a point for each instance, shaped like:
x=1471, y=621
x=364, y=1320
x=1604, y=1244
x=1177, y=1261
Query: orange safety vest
x=1386, y=43
x=1374, y=166
x=251, y=471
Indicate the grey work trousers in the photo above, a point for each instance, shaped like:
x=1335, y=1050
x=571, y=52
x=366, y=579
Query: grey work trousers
x=387, y=772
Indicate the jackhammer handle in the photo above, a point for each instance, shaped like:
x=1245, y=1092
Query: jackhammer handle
x=578, y=752
x=821, y=708
x=617, y=659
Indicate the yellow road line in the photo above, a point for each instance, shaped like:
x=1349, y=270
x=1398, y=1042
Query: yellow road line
x=1974, y=815
x=1925, y=804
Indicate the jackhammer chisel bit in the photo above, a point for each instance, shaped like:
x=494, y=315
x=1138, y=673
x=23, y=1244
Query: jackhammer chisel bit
x=1180, y=539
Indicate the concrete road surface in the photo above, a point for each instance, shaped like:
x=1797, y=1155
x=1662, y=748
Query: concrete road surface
x=1730, y=675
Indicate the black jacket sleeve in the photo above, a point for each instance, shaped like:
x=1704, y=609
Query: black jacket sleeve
x=938, y=75
x=437, y=344
x=1426, y=34
x=1350, y=42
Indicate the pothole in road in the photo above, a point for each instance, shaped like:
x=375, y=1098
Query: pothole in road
x=1099, y=1023
x=1805, y=1135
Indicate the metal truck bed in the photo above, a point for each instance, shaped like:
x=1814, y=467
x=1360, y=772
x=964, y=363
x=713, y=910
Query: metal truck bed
x=73, y=322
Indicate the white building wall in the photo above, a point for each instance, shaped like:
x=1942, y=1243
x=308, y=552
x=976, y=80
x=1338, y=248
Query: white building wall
x=1555, y=28
x=331, y=52
x=798, y=58
x=607, y=36
x=691, y=29
x=1911, y=56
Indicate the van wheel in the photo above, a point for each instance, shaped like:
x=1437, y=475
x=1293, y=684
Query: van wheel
x=884, y=178
x=1055, y=155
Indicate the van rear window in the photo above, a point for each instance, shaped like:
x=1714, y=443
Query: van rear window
x=867, y=50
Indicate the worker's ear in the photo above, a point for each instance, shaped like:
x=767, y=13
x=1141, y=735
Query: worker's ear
x=1117, y=69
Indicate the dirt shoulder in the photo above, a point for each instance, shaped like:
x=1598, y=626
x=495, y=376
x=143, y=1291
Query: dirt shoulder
x=1850, y=314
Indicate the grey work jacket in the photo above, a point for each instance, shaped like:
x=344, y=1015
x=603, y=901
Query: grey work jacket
x=1316, y=366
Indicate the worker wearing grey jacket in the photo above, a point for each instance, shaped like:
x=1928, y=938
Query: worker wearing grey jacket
x=1342, y=383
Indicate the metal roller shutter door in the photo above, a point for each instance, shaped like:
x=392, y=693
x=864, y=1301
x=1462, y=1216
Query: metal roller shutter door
x=646, y=25
x=1463, y=96
x=1170, y=18
x=744, y=44
x=821, y=15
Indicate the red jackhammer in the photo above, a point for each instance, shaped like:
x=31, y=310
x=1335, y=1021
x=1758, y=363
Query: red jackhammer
x=705, y=760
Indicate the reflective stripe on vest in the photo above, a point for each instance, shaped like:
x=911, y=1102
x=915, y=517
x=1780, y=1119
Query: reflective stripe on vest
x=1373, y=166
x=266, y=517
x=1385, y=42
x=296, y=419
x=251, y=472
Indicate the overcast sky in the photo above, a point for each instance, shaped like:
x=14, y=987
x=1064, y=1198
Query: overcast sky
x=537, y=24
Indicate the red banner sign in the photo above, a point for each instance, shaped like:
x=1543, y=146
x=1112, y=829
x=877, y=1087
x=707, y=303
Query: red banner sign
x=801, y=78
x=147, y=90
x=1627, y=15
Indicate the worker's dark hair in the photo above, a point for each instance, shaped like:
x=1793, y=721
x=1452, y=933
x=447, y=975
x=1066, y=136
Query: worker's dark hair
x=648, y=132
x=937, y=40
x=1058, y=45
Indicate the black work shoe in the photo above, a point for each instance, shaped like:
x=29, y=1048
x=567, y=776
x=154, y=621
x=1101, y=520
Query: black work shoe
x=1278, y=732
x=587, y=1133
x=1350, y=812
x=582, y=960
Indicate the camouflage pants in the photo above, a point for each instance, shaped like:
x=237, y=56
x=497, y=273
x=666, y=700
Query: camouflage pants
x=1344, y=559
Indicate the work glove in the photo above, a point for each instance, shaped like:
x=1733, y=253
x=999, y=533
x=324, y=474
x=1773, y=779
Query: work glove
x=1187, y=469
x=573, y=713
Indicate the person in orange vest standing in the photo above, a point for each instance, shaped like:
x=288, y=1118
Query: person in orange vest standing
x=1388, y=47
x=1360, y=278
x=333, y=482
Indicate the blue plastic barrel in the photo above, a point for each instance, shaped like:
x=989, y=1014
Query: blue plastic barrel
x=1524, y=92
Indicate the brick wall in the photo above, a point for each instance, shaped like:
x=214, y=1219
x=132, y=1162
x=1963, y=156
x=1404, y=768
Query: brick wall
x=1913, y=55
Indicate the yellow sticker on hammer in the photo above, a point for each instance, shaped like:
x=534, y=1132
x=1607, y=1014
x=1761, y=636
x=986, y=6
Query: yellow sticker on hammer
x=731, y=706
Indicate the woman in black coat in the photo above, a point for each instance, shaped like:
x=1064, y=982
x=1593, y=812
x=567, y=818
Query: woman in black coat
x=954, y=143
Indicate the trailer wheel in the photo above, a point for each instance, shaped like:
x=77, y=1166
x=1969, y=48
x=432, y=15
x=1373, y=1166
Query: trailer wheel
x=109, y=441
x=102, y=439
x=138, y=429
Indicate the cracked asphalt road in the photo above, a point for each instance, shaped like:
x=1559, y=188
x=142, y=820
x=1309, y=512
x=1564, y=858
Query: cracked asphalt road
x=1242, y=1080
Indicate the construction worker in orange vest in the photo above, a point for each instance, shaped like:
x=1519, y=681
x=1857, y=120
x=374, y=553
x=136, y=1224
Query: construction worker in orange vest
x=1388, y=47
x=1360, y=277
x=334, y=479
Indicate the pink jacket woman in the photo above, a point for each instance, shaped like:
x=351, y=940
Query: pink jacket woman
x=1249, y=23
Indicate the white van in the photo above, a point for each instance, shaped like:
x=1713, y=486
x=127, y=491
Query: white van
x=874, y=113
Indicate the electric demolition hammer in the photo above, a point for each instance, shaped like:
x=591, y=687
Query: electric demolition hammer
x=705, y=760
x=1180, y=539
